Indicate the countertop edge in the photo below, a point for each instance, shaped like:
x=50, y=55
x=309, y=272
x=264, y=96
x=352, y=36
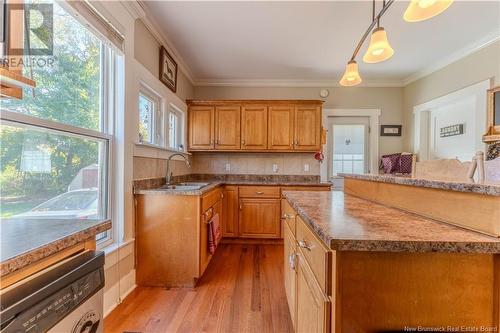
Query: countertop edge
x=393, y=245
x=478, y=188
x=31, y=256
x=216, y=184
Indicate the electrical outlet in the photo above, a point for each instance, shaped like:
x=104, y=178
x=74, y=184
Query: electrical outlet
x=275, y=168
x=306, y=167
x=228, y=167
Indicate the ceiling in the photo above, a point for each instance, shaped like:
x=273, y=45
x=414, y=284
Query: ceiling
x=309, y=42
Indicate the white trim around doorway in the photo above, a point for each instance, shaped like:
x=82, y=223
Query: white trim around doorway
x=374, y=116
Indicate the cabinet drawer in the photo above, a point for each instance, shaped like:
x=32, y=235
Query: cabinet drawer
x=316, y=253
x=288, y=215
x=259, y=192
x=210, y=198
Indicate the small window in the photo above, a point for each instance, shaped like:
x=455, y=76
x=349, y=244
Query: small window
x=146, y=112
x=175, y=128
x=149, y=117
x=172, y=130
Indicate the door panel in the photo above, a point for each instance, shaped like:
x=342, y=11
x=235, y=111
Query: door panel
x=281, y=129
x=259, y=218
x=307, y=128
x=201, y=127
x=205, y=255
x=313, y=307
x=227, y=127
x=230, y=212
x=289, y=272
x=254, y=127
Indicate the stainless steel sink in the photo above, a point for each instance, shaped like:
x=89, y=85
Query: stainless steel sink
x=184, y=186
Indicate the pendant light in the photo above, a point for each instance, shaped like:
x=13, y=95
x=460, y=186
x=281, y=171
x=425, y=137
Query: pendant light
x=421, y=10
x=379, y=48
x=351, y=75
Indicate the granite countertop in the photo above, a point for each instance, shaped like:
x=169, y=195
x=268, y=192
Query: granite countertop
x=487, y=188
x=347, y=223
x=155, y=187
x=25, y=241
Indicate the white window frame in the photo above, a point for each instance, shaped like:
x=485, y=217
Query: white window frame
x=106, y=133
x=179, y=130
x=157, y=127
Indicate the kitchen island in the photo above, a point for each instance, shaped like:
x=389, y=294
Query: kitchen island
x=352, y=265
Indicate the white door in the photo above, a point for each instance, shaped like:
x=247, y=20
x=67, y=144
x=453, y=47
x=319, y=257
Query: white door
x=349, y=145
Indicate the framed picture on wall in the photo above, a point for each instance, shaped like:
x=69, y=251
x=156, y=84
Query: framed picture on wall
x=390, y=130
x=168, y=70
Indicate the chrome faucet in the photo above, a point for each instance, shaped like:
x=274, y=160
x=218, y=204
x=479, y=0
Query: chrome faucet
x=169, y=174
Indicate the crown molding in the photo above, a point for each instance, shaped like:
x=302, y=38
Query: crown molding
x=287, y=83
x=156, y=31
x=134, y=9
x=454, y=57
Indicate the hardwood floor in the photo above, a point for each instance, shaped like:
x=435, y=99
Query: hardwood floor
x=242, y=290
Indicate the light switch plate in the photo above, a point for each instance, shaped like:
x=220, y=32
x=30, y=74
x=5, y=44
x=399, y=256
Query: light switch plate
x=306, y=167
x=275, y=168
x=228, y=167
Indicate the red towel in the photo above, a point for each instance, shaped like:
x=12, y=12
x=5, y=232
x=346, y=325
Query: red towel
x=214, y=233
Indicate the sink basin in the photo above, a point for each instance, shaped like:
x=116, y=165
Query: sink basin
x=184, y=186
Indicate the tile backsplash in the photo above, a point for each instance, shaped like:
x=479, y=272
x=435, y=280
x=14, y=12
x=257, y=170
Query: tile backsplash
x=145, y=167
x=255, y=163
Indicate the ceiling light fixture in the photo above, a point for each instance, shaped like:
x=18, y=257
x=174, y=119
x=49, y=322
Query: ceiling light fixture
x=351, y=75
x=421, y=10
x=379, y=48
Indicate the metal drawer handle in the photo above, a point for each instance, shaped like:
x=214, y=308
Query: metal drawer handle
x=291, y=260
x=303, y=244
x=259, y=192
x=287, y=216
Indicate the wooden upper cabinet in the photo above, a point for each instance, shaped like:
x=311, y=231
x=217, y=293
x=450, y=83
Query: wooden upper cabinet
x=254, y=127
x=281, y=130
x=227, y=127
x=201, y=127
x=307, y=127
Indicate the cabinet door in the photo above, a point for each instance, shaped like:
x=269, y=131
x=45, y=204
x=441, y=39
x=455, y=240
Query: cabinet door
x=259, y=218
x=289, y=271
x=201, y=127
x=254, y=127
x=313, y=306
x=281, y=130
x=307, y=128
x=205, y=255
x=230, y=211
x=227, y=127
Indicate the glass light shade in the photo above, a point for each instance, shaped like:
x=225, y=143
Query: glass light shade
x=379, y=48
x=420, y=10
x=351, y=76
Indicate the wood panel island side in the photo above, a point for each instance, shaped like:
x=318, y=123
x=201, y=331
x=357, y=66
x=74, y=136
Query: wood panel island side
x=352, y=265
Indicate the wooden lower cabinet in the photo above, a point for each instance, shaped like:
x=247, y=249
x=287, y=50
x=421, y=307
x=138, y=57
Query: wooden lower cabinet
x=205, y=255
x=313, y=306
x=259, y=218
x=231, y=211
x=290, y=271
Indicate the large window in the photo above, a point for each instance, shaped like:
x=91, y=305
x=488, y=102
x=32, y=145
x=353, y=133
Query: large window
x=55, y=142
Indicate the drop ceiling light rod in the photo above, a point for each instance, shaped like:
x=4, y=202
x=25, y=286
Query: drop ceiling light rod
x=372, y=25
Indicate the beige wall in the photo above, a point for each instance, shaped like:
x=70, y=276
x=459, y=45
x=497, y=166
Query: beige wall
x=479, y=66
x=388, y=100
x=147, y=52
x=255, y=163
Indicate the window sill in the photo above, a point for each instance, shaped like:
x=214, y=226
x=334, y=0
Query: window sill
x=170, y=150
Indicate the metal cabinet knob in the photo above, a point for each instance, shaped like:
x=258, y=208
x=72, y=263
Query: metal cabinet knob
x=259, y=192
x=303, y=244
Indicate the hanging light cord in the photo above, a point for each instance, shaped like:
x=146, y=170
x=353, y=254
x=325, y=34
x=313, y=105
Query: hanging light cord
x=375, y=21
